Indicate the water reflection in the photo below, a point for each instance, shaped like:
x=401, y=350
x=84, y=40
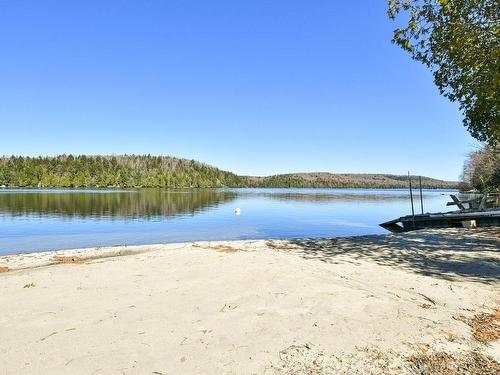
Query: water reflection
x=326, y=197
x=146, y=203
x=32, y=220
x=340, y=195
x=150, y=203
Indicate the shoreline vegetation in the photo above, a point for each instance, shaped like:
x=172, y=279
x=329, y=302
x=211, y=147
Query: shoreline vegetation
x=421, y=302
x=146, y=171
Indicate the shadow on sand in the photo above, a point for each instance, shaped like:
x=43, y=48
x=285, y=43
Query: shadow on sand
x=453, y=254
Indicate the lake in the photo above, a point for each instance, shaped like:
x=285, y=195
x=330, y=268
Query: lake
x=41, y=220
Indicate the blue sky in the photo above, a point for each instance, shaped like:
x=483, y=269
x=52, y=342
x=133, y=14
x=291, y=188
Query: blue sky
x=256, y=87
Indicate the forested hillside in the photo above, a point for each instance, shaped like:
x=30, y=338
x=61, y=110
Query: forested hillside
x=131, y=171
x=347, y=180
x=112, y=171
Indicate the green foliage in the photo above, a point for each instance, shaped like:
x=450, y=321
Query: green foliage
x=68, y=171
x=459, y=40
x=130, y=171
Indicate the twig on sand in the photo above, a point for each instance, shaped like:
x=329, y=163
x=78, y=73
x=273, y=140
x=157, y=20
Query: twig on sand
x=229, y=306
x=46, y=337
x=428, y=299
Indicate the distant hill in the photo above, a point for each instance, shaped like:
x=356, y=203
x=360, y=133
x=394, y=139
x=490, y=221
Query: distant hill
x=131, y=171
x=347, y=180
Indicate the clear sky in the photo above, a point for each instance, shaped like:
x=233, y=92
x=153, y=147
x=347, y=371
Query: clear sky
x=256, y=87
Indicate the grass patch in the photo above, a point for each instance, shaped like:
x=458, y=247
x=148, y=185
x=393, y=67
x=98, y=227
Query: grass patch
x=30, y=285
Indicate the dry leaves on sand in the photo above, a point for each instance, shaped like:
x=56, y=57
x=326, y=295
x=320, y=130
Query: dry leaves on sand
x=225, y=249
x=441, y=363
x=68, y=259
x=310, y=360
x=306, y=360
x=219, y=248
x=486, y=327
x=425, y=305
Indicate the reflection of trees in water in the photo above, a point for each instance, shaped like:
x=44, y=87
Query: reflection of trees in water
x=157, y=202
x=341, y=197
x=143, y=203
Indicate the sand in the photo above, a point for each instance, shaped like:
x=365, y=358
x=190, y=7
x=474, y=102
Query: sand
x=347, y=305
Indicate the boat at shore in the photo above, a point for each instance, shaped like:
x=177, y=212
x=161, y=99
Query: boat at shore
x=482, y=211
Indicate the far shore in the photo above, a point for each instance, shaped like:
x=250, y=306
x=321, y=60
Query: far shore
x=355, y=305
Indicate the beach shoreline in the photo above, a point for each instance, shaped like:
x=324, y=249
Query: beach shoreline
x=34, y=259
x=250, y=306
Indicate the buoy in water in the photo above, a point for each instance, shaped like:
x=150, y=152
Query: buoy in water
x=237, y=211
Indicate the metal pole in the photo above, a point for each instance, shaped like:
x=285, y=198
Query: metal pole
x=421, y=199
x=411, y=199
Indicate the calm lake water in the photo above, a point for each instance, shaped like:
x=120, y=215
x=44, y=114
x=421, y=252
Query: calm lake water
x=40, y=220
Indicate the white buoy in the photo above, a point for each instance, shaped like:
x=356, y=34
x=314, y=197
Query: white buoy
x=237, y=211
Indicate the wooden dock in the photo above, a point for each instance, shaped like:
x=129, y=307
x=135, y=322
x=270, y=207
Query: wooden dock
x=455, y=219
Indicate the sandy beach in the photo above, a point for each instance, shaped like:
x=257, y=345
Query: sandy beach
x=358, y=305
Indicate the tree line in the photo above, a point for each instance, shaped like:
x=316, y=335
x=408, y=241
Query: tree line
x=127, y=171
x=132, y=171
x=347, y=180
x=482, y=170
